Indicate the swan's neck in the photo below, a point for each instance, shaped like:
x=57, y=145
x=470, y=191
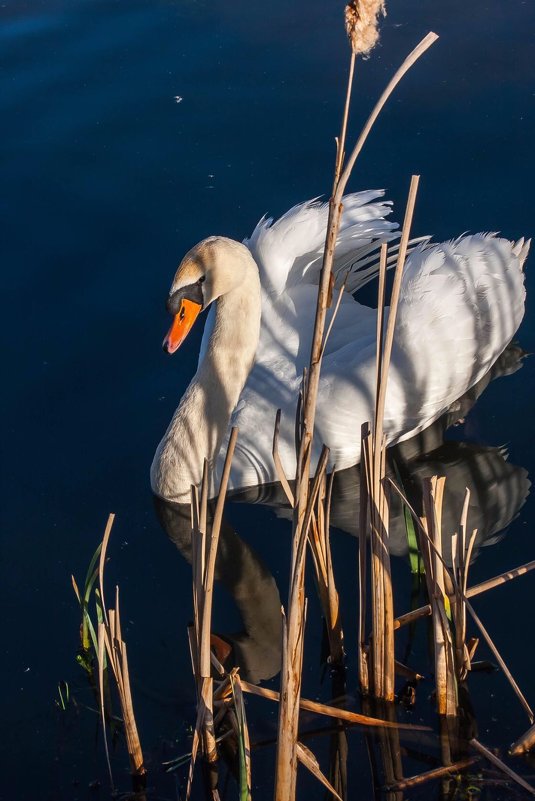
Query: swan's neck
x=202, y=418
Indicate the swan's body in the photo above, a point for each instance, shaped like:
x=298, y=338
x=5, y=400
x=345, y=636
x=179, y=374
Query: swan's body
x=460, y=305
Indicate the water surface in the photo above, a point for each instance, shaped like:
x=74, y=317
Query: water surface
x=131, y=131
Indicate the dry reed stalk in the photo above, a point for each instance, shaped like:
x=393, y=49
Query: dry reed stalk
x=320, y=545
x=477, y=589
x=204, y=553
x=461, y=552
x=484, y=751
x=430, y=775
x=470, y=608
x=363, y=666
x=446, y=686
x=373, y=463
x=524, y=744
x=307, y=758
x=332, y=711
x=111, y=643
x=293, y=629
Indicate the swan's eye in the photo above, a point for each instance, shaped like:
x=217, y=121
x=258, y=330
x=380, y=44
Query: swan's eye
x=202, y=279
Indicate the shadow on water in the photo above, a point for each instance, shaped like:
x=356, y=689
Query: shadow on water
x=498, y=491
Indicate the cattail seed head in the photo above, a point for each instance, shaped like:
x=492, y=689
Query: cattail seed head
x=361, y=18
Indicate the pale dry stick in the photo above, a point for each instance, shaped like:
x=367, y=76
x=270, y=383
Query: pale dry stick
x=364, y=680
x=332, y=711
x=411, y=59
x=101, y=653
x=336, y=634
x=500, y=660
x=477, y=589
x=461, y=556
x=377, y=505
x=389, y=338
x=285, y=782
x=430, y=775
x=307, y=758
x=197, y=555
x=341, y=291
x=110, y=643
x=278, y=462
x=446, y=687
x=383, y=610
x=383, y=259
x=340, y=142
x=524, y=744
x=206, y=571
x=204, y=683
x=208, y=582
x=382, y=650
x=335, y=212
x=117, y=658
x=321, y=553
x=102, y=560
x=473, y=614
x=125, y=697
x=316, y=484
x=292, y=651
x=484, y=751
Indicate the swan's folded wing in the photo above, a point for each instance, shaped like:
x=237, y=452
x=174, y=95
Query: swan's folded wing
x=289, y=251
x=460, y=305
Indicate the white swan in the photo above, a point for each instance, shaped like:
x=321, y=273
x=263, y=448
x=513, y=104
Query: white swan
x=460, y=305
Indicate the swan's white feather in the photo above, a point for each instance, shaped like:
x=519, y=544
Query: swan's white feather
x=289, y=251
x=460, y=305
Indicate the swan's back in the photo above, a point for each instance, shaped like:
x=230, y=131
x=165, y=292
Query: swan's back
x=461, y=303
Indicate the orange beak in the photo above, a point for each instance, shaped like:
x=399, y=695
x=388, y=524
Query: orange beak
x=182, y=323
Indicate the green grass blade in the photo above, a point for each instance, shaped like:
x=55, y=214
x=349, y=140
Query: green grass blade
x=416, y=562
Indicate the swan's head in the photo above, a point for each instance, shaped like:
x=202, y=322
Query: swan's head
x=209, y=270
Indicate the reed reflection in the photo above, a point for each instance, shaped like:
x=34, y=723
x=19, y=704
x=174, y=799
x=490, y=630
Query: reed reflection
x=498, y=491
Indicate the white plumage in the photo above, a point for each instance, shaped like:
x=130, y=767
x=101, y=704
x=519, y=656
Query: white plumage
x=460, y=305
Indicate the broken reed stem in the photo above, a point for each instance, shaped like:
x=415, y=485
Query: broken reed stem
x=446, y=686
x=340, y=143
x=411, y=59
x=307, y=758
x=111, y=643
x=477, y=589
x=430, y=775
x=332, y=711
x=320, y=546
x=374, y=464
x=469, y=606
x=363, y=665
x=204, y=560
x=208, y=582
x=484, y=751
x=524, y=744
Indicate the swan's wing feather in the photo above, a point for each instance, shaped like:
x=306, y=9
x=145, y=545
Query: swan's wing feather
x=460, y=305
x=289, y=251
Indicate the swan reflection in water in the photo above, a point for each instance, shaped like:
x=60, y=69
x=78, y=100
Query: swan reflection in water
x=498, y=491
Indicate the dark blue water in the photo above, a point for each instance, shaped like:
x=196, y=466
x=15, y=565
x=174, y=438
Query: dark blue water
x=107, y=181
